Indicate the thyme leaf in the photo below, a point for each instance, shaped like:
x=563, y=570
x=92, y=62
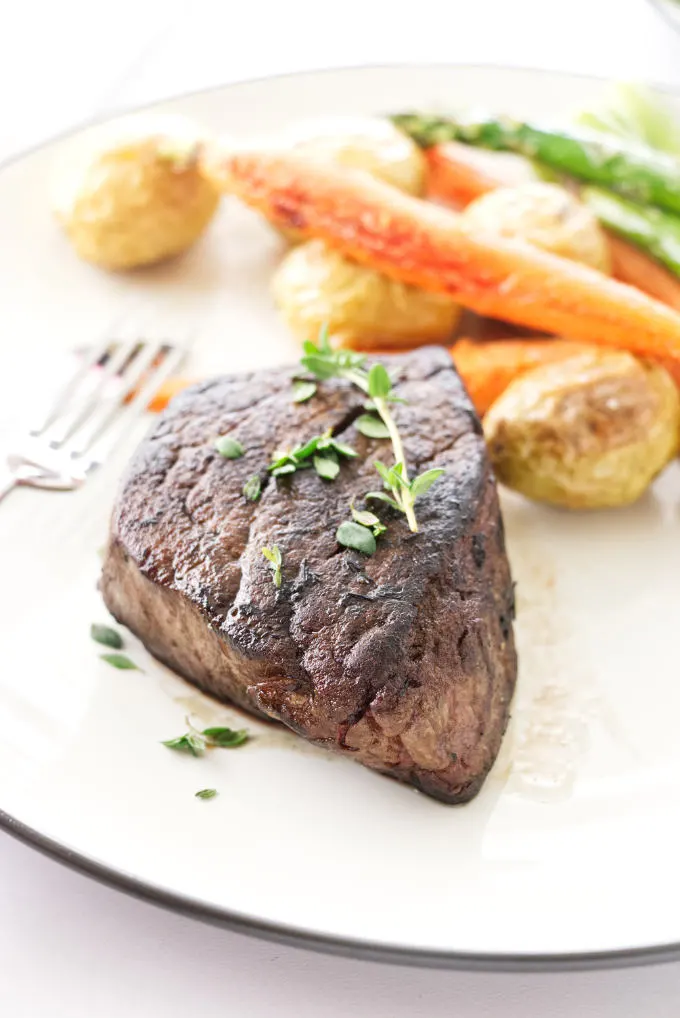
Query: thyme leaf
x=275, y=559
x=106, y=636
x=120, y=661
x=302, y=390
x=229, y=447
x=252, y=489
x=372, y=426
x=354, y=535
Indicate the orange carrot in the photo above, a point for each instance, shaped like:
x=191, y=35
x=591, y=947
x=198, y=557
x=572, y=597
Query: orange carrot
x=167, y=391
x=633, y=266
x=460, y=173
x=428, y=246
x=488, y=368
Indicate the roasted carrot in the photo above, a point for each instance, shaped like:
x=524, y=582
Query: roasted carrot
x=488, y=368
x=167, y=391
x=633, y=266
x=459, y=173
x=458, y=176
x=428, y=246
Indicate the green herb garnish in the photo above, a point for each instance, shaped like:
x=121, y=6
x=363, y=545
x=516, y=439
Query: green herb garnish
x=404, y=492
x=106, y=636
x=368, y=519
x=226, y=738
x=354, y=535
x=321, y=447
x=327, y=466
x=192, y=742
x=206, y=793
x=379, y=383
x=196, y=742
x=371, y=426
x=423, y=482
x=383, y=498
x=323, y=362
x=302, y=390
x=275, y=559
x=370, y=405
x=252, y=489
x=229, y=447
x=121, y=661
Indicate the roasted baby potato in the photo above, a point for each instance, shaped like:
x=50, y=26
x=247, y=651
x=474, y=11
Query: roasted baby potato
x=546, y=216
x=315, y=285
x=366, y=143
x=588, y=432
x=131, y=193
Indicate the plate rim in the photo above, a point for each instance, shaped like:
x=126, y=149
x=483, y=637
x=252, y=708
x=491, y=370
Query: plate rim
x=279, y=932
x=394, y=65
x=345, y=947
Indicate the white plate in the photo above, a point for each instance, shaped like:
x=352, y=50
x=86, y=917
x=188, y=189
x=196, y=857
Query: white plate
x=569, y=854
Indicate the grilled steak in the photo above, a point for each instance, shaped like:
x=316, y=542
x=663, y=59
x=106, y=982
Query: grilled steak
x=404, y=659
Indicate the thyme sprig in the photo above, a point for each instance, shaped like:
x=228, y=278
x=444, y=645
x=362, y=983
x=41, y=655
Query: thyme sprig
x=196, y=742
x=322, y=452
x=322, y=361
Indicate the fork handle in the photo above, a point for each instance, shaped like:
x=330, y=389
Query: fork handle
x=7, y=482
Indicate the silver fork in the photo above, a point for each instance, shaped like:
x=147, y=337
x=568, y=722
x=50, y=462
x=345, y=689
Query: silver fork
x=91, y=415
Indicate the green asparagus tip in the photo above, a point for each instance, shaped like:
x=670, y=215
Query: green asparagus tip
x=425, y=129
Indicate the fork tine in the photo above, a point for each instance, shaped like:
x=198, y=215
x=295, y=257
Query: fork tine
x=65, y=425
x=109, y=405
x=88, y=364
x=93, y=355
x=119, y=428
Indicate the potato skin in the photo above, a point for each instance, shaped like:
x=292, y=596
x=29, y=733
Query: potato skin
x=546, y=216
x=132, y=193
x=365, y=310
x=369, y=144
x=589, y=432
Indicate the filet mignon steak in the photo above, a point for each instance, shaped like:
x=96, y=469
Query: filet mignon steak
x=404, y=659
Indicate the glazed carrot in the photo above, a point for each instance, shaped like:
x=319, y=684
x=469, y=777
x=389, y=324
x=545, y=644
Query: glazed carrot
x=458, y=176
x=167, y=391
x=459, y=173
x=488, y=368
x=428, y=246
x=633, y=266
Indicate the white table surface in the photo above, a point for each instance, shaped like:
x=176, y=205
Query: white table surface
x=68, y=946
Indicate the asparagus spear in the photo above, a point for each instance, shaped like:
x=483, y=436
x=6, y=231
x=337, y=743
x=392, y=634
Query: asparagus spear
x=655, y=231
x=640, y=173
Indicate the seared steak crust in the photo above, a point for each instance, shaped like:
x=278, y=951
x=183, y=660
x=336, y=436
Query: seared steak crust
x=405, y=659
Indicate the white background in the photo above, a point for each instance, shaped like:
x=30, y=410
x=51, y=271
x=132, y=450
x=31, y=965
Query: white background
x=69, y=947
